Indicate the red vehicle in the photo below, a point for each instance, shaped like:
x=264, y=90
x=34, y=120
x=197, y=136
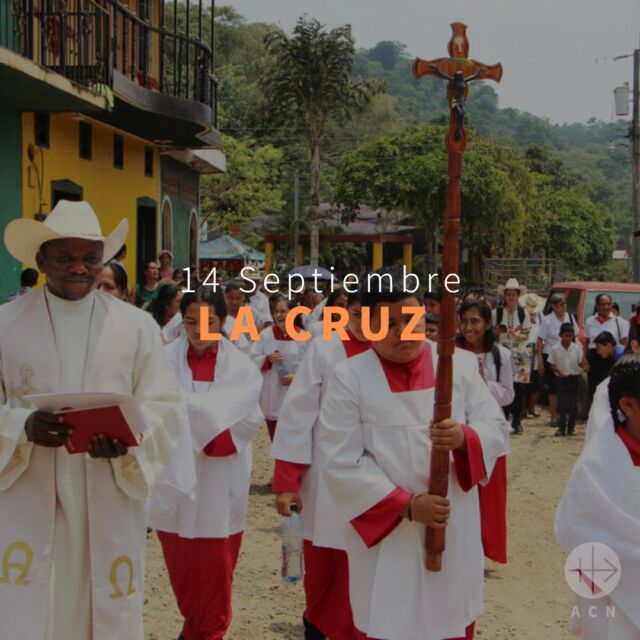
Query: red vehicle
x=581, y=297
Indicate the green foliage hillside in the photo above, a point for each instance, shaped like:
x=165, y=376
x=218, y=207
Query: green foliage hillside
x=566, y=192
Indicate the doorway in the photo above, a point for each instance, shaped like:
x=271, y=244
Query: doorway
x=146, y=240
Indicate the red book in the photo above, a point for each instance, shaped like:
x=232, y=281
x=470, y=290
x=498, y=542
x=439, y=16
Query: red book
x=87, y=423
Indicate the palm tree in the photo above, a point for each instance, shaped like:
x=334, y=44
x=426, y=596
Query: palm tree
x=307, y=82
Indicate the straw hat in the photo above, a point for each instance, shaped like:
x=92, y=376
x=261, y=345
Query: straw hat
x=24, y=237
x=533, y=302
x=513, y=284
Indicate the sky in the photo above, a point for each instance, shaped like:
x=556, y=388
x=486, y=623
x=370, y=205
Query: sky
x=557, y=55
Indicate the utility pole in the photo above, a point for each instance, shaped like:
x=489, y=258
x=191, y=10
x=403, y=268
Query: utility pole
x=622, y=109
x=635, y=165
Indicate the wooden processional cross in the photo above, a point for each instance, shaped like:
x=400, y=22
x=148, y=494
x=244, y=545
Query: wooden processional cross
x=458, y=70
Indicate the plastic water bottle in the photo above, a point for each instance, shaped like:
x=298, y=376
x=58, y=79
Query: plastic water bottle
x=281, y=368
x=292, y=535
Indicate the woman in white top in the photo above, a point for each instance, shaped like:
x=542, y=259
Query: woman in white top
x=201, y=537
x=477, y=336
x=277, y=355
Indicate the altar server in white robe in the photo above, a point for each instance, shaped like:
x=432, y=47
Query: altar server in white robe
x=72, y=532
x=477, y=336
x=201, y=538
x=600, y=504
x=277, y=354
x=297, y=481
x=375, y=443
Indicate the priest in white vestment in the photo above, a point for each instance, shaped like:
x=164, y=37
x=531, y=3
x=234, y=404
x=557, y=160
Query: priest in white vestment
x=376, y=440
x=72, y=532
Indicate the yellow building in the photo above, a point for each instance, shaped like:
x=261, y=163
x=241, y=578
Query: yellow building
x=108, y=102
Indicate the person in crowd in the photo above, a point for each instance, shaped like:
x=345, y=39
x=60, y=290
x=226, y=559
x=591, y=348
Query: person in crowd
x=165, y=262
x=548, y=338
x=147, y=288
x=166, y=304
x=512, y=326
x=28, y=280
x=310, y=298
x=178, y=277
x=477, y=336
x=318, y=310
x=431, y=326
x=604, y=319
x=120, y=257
x=201, y=536
x=297, y=480
x=432, y=302
x=601, y=360
x=259, y=302
x=79, y=518
x=278, y=356
x=599, y=505
x=534, y=304
x=337, y=298
x=375, y=453
x=114, y=281
x=615, y=308
x=600, y=412
x=566, y=361
x=234, y=299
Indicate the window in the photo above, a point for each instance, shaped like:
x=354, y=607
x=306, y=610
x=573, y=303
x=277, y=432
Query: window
x=41, y=129
x=86, y=140
x=118, y=151
x=148, y=162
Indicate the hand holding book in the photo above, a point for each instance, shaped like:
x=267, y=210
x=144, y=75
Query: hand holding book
x=102, y=425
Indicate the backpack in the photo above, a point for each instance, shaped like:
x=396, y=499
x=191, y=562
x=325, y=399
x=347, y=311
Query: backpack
x=500, y=314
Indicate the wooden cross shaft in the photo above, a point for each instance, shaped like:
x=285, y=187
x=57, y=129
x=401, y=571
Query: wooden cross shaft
x=459, y=71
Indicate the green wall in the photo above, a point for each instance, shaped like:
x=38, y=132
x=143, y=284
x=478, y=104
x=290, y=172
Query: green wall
x=10, y=200
x=180, y=184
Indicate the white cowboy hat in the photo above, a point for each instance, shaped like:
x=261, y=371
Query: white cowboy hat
x=24, y=237
x=532, y=302
x=512, y=283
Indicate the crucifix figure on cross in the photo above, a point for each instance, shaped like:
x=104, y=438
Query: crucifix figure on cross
x=459, y=71
x=459, y=90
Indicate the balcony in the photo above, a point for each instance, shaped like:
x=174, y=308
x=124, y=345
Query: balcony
x=161, y=82
x=70, y=38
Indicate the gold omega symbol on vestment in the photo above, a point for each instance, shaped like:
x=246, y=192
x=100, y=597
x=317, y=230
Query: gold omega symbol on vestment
x=24, y=566
x=117, y=591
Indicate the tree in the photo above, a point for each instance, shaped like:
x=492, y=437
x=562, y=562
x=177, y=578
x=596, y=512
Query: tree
x=250, y=188
x=307, y=83
x=408, y=172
